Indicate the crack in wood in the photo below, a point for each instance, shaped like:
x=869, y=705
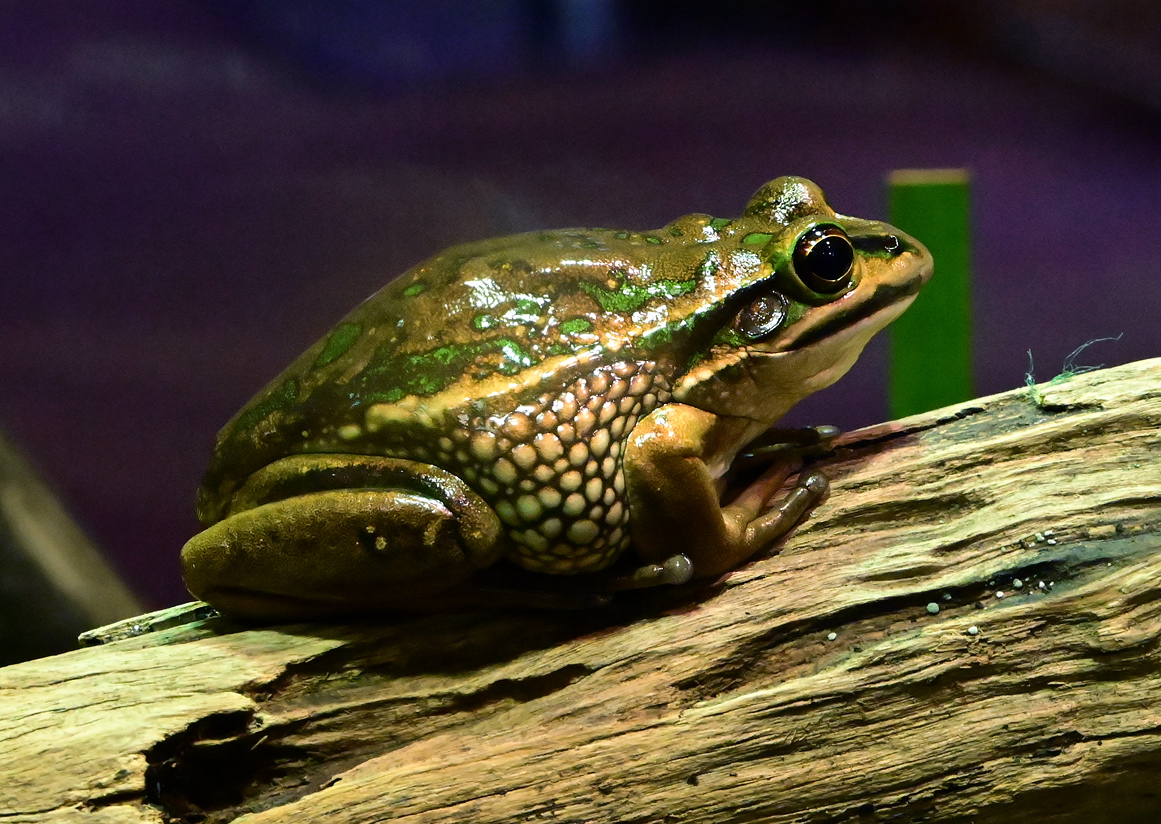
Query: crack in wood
x=226, y=760
x=917, y=507
x=205, y=766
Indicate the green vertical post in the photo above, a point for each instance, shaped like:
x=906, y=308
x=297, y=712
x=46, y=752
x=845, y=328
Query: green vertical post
x=930, y=361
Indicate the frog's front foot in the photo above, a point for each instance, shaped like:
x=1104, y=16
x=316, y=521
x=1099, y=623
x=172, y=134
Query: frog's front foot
x=676, y=496
x=756, y=526
x=758, y=521
x=810, y=492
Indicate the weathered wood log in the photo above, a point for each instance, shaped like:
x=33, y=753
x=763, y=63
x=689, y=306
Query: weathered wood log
x=967, y=631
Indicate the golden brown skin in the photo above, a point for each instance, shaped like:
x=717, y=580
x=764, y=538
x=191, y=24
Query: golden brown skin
x=554, y=399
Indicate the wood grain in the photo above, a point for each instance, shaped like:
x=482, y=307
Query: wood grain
x=817, y=685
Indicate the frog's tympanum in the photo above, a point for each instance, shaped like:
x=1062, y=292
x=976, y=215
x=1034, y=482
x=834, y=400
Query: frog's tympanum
x=567, y=402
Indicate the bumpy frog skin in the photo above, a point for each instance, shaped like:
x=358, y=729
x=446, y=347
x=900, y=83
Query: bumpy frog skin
x=555, y=399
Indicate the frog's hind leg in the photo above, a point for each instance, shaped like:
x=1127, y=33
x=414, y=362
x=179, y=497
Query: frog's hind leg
x=329, y=553
x=320, y=535
x=479, y=527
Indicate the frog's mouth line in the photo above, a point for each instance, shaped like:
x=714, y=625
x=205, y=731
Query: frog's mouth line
x=885, y=296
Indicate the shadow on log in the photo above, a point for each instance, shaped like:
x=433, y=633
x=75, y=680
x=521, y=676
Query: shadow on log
x=966, y=632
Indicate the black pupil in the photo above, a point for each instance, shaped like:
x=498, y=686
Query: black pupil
x=830, y=258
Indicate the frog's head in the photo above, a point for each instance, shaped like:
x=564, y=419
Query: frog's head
x=828, y=283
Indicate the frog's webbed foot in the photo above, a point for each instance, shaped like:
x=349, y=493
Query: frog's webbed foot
x=777, y=454
x=762, y=533
x=758, y=519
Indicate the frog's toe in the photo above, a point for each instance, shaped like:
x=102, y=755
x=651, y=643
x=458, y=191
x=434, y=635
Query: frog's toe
x=674, y=571
x=776, y=443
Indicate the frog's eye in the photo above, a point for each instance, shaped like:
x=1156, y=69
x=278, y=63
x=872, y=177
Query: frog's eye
x=763, y=317
x=824, y=259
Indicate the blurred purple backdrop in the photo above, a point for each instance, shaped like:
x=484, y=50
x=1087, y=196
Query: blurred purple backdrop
x=193, y=193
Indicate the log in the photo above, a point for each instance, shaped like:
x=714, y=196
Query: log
x=968, y=631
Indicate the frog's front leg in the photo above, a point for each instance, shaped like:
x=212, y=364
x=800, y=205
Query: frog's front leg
x=313, y=535
x=674, y=498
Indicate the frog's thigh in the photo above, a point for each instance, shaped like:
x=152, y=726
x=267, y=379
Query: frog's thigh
x=326, y=552
x=297, y=476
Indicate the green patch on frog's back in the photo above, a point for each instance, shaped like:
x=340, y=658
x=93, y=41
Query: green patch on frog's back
x=632, y=296
x=274, y=400
x=576, y=326
x=338, y=342
x=393, y=375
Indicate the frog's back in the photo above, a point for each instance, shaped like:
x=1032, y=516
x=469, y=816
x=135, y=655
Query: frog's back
x=482, y=314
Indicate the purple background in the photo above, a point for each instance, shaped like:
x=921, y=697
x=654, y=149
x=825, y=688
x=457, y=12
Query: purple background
x=193, y=193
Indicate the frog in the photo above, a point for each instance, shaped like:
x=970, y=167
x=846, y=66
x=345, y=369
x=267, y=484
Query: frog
x=553, y=406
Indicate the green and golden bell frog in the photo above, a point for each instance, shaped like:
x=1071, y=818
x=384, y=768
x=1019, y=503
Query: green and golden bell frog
x=558, y=401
